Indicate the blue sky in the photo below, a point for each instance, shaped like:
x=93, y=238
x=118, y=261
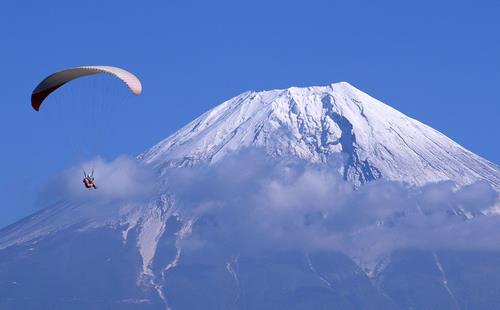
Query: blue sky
x=437, y=62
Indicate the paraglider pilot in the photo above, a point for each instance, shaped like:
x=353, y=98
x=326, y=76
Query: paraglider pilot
x=88, y=180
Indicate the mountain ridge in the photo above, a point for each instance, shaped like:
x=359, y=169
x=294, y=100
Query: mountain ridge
x=157, y=237
x=316, y=123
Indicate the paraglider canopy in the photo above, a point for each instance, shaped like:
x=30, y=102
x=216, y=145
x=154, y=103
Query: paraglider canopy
x=58, y=79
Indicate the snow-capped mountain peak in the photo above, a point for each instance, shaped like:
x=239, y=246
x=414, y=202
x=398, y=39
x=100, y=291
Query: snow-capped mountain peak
x=189, y=240
x=318, y=123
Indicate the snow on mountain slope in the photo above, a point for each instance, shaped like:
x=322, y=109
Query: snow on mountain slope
x=318, y=123
x=146, y=241
x=147, y=220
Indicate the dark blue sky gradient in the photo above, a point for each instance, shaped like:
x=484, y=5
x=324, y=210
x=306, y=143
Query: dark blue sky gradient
x=436, y=61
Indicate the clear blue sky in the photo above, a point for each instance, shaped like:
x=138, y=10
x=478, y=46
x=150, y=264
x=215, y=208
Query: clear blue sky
x=436, y=61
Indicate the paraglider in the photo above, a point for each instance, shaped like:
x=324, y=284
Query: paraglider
x=88, y=180
x=58, y=79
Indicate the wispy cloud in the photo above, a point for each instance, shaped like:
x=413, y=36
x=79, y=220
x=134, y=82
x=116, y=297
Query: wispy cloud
x=252, y=202
x=121, y=179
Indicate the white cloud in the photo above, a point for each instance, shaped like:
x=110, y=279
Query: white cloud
x=121, y=179
x=251, y=202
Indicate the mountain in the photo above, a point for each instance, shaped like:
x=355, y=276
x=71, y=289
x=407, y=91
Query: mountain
x=317, y=123
x=208, y=226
